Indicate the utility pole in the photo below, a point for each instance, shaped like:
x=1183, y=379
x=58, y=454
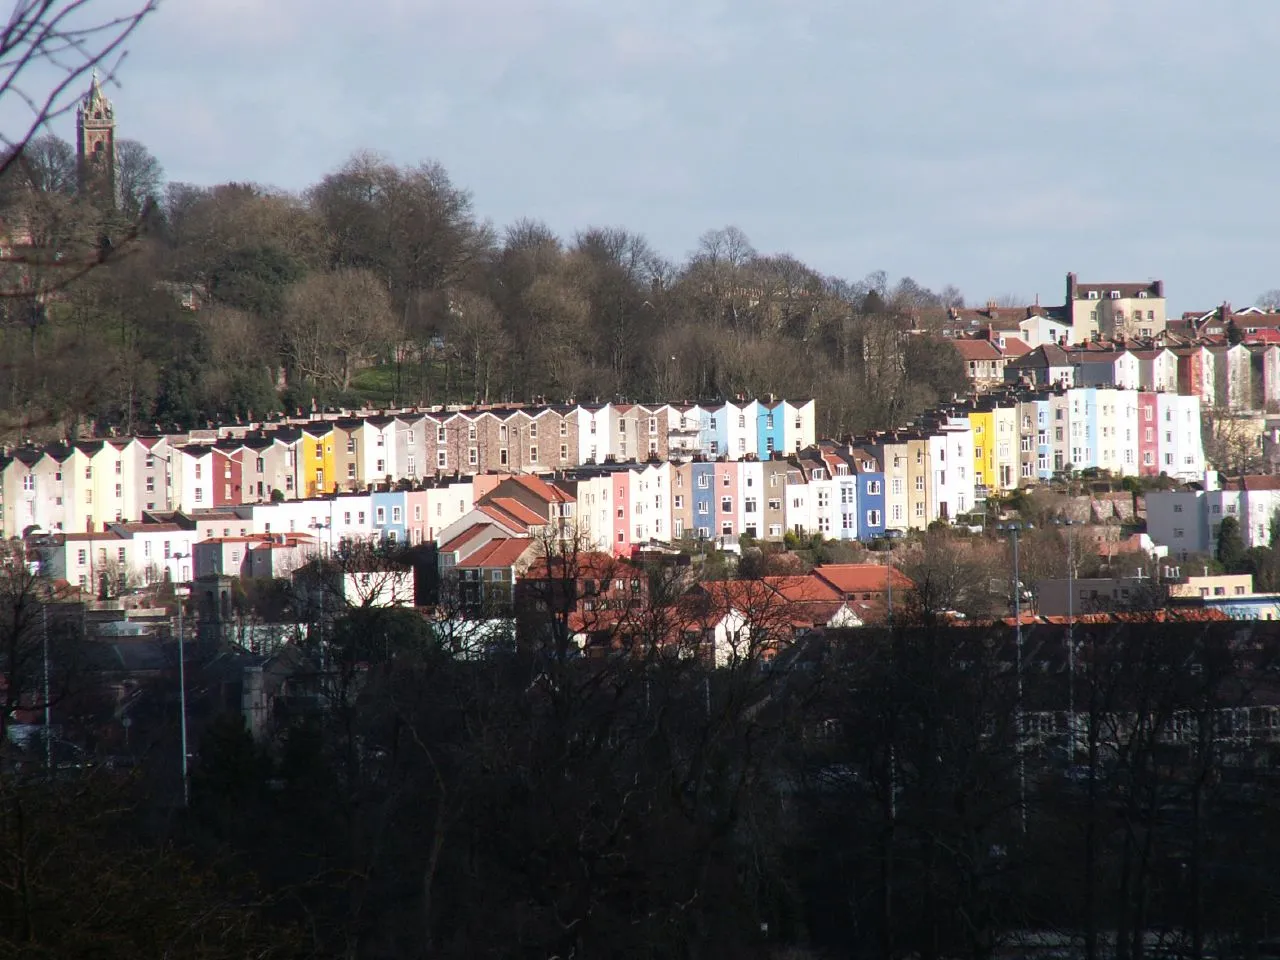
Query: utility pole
x=1014, y=529
x=181, y=593
x=48, y=713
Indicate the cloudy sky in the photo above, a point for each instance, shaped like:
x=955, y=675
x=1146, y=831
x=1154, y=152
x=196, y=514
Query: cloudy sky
x=993, y=144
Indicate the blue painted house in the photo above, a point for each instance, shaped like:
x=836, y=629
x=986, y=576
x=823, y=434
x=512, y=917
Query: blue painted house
x=870, y=492
x=389, y=520
x=770, y=428
x=703, y=500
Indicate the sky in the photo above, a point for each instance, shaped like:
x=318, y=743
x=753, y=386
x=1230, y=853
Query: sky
x=991, y=144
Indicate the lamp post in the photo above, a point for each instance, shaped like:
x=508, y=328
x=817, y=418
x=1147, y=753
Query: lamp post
x=182, y=592
x=1014, y=529
x=1071, y=642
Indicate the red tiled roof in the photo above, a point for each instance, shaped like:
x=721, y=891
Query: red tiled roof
x=464, y=537
x=518, y=510
x=1256, y=482
x=805, y=589
x=849, y=578
x=1015, y=347
x=500, y=553
x=503, y=517
x=548, y=492
x=977, y=349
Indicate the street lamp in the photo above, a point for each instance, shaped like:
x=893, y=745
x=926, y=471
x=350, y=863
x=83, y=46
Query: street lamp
x=1071, y=640
x=1014, y=529
x=182, y=592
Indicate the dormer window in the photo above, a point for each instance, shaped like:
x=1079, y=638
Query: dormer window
x=1115, y=294
x=1142, y=294
x=1093, y=294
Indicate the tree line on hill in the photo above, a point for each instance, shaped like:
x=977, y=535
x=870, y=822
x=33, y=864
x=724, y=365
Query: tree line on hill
x=381, y=283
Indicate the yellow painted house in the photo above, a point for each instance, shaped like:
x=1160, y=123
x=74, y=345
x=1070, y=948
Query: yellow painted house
x=317, y=472
x=982, y=423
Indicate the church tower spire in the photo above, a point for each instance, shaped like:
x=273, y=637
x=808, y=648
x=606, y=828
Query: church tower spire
x=96, y=145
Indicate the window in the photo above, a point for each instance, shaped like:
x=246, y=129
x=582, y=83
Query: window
x=411, y=465
x=726, y=528
x=703, y=481
x=725, y=481
x=897, y=488
x=440, y=434
x=703, y=507
x=28, y=483
x=726, y=504
x=395, y=514
x=873, y=488
x=198, y=468
x=873, y=518
x=920, y=484
x=473, y=456
x=533, y=454
x=919, y=509
x=713, y=423
x=742, y=445
x=775, y=504
x=678, y=501
x=151, y=484
x=653, y=424
x=351, y=471
x=533, y=429
x=380, y=515
x=417, y=511
x=471, y=431
x=351, y=445
x=442, y=459
x=502, y=457
x=564, y=451
x=82, y=557
x=360, y=518
x=564, y=428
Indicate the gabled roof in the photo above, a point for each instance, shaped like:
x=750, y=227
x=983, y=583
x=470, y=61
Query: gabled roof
x=1015, y=347
x=1048, y=355
x=849, y=578
x=503, y=518
x=538, y=486
x=516, y=510
x=464, y=537
x=499, y=553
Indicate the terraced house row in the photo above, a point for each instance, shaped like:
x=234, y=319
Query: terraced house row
x=83, y=485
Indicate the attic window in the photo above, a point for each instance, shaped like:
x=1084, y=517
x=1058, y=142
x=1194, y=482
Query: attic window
x=1142, y=294
x=1115, y=294
x=1093, y=294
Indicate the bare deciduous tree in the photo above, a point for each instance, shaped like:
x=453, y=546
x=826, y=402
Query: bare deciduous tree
x=334, y=323
x=139, y=177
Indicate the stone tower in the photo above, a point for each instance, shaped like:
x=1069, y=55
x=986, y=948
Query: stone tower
x=96, y=145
